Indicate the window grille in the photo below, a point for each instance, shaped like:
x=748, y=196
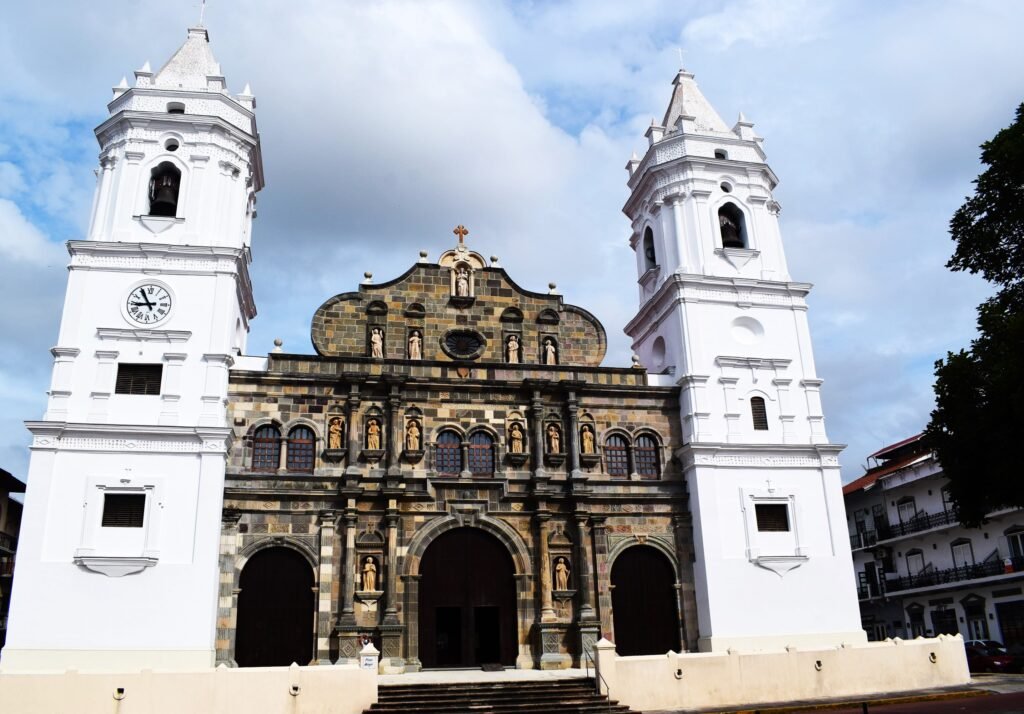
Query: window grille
x=266, y=449
x=301, y=449
x=616, y=455
x=138, y=379
x=123, y=510
x=759, y=413
x=481, y=454
x=772, y=516
x=449, y=454
x=646, y=455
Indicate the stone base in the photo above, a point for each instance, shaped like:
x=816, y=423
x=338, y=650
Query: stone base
x=552, y=646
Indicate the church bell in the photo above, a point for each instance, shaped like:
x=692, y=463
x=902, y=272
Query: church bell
x=163, y=195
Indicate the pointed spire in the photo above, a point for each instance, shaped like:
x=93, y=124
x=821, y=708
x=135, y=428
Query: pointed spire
x=146, y=67
x=123, y=84
x=191, y=65
x=744, y=128
x=247, y=92
x=144, y=75
x=689, y=104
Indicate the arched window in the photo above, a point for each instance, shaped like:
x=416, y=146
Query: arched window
x=449, y=453
x=759, y=413
x=650, y=257
x=301, y=449
x=164, y=184
x=481, y=454
x=732, y=226
x=266, y=449
x=645, y=453
x=616, y=455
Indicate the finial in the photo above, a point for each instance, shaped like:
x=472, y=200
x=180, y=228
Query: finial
x=146, y=67
x=461, y=232
x=123, y=84
x=247, y=92
x=636, y=362
x=202, y=12
x=552, y=289
x=367, y=277
x=423, y=256
x=277, y=344
x=494, y=262
x=680, y=51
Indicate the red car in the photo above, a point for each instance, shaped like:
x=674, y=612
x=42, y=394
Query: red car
x=983, y=658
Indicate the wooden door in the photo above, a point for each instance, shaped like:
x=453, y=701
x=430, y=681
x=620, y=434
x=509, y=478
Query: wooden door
x=644, y=611
x=276, y=610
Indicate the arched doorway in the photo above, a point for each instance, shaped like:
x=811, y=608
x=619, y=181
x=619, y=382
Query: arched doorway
x=467, y=612
x=646, y=619
x=276, y=610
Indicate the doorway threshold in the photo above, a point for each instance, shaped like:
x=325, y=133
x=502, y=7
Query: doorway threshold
x=475, y=674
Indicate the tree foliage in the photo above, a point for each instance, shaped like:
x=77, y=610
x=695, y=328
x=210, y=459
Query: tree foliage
x=979, y=417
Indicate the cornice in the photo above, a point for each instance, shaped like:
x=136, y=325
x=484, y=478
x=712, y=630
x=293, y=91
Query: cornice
x=767, y=456
x=133, y=438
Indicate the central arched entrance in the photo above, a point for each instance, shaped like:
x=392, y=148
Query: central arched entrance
x=276, y=610
x=644, y=607
x=467, y=612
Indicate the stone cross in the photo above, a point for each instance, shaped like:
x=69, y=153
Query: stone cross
x=461, y=232
x=771, y=489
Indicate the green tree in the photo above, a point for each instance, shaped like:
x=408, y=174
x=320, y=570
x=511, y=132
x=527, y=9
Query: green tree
x=978, y=421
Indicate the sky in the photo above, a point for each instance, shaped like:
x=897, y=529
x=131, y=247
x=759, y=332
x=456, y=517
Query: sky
x=385, y=124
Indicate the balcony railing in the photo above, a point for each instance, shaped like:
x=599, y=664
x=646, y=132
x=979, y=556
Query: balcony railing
x=865, y=539
x=8, y=543
x=928, y=578
x=921, y=522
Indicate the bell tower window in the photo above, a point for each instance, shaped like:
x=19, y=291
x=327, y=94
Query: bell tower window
x=175, y=108
x=650, y=257
x=733, y=226
x=163, y=190
x=759, y=414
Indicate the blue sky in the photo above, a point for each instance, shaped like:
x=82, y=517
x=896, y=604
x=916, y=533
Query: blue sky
x=385, y=124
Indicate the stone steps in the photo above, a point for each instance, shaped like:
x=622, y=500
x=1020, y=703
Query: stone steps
x=564, y=696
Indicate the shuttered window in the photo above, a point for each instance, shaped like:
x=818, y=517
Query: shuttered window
x=645, y=454
x=481, y=454
x=123, y=510
x=449, y=454
x=301, y=449
x=266, y=449
x=759, y=413
x=138, y=378
x=772, y=516
x=616, y=456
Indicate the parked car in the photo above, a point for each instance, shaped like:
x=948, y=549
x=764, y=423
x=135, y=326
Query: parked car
x=982, y=657
x=994, y=645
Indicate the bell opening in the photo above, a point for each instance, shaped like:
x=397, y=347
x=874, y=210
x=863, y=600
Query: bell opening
x=163, y=190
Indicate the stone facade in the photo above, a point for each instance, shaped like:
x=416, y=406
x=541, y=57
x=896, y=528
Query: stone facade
x=389, y=503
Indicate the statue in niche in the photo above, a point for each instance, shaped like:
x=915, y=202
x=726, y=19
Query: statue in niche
x=373, y=435
x=554, y=439
x=335, y=433
x=377, y=343
x=550, y=352
x=462, y=283
x=730, y=232
x=412, y=436
x=369, y=575
x=515, y=439
x=561, y=575
x=588, y=439
x=415, y=345
x=512, y=349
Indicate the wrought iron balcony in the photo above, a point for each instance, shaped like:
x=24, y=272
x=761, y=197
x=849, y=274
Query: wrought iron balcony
x=920, y=522
x=865, y=539
x=928, y=577
x=8, y=543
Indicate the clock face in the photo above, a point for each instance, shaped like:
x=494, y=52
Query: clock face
x=149, y=304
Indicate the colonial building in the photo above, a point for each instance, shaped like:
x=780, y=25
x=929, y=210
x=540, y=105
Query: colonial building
x=453, y=474
x=10, y=523
x=919, y=572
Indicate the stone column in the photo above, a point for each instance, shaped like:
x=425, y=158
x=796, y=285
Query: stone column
x=547, y=609
x=326, y=578
x=352, y=412
x=572, y=439
x=604, y=598
x=589, y=626
x=391, y=628
x=397, y=439
x=537, y=416
x=682, y=526
x=412, y=616
x=227, y=601
x=348, y=585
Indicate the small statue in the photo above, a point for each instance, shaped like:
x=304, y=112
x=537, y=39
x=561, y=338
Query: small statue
x=588, y=440
x=512, y=349
x=412, y=436
x=730, y=232
x=561, y=575
x=550, y=356
x=554, y=440
x=373, y=435
x=415, y=345
x=515, y=439
x=377, y=343
x=369, y=576
x=335, y=433
x=462, y=283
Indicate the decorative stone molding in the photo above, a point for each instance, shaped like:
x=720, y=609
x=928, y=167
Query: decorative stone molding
x=114, y=566
x=124, y=438
x=113, y=333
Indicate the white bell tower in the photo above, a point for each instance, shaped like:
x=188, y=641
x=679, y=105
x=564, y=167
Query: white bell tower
x=117, y=565
x=720, y=317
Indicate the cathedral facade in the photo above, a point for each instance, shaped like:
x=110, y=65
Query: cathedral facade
x=453, y=475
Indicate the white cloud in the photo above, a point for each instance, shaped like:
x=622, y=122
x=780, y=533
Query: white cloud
x=23, y=242
x=11, y=181
x=761, y=23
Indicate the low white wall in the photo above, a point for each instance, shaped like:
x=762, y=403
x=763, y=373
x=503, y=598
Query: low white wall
x=341, y=689
x=698, y=680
